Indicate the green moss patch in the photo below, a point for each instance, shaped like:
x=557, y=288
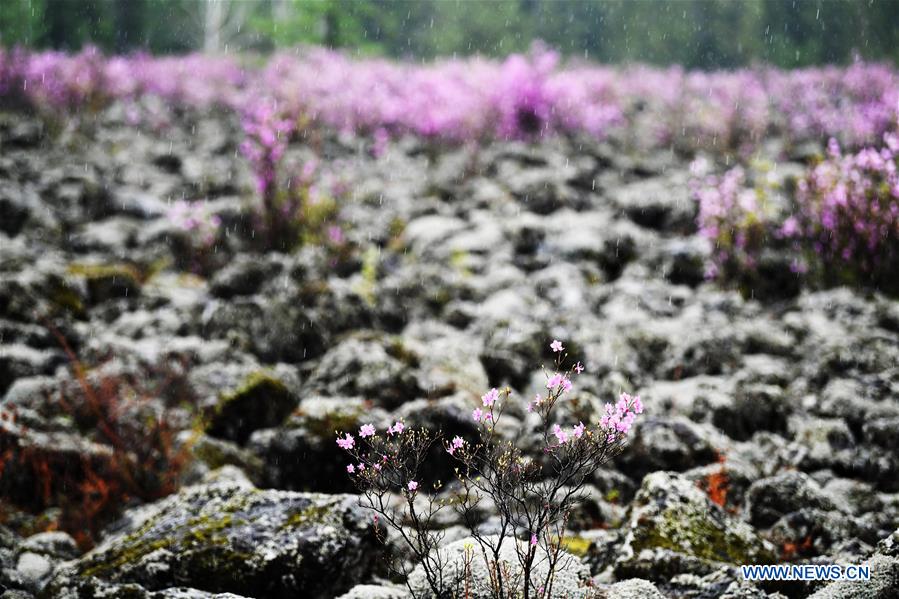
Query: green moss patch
x=262, y=400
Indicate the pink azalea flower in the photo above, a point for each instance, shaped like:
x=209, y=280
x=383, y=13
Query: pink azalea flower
x=397, y=428
x=347, y=442
x=350, y=468
x=412, y=486
x=533, y=539
x=476, y=414
x=367, y=430
x=561, y=435
x=579, y=368
x=556, y=346
x=458, y=442
x=554, y=381
x=490, y=397
x=578, y=431
x=360, y=467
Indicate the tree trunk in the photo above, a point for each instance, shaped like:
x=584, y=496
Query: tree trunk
x=129, y=20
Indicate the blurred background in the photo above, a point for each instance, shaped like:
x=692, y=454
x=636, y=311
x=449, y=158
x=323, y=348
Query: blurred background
x=696, y=33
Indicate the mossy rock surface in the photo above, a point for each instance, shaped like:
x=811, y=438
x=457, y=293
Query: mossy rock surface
x=108, y=281
x=261, y=398
x=231, y=537
x=675, y=528
x=301, y=454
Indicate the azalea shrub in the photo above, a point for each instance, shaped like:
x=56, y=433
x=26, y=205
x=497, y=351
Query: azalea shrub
x=533, y=495
x=839, y=226
x=201, y=228
x=298, y=201
x=847, y=216
x=526, y=96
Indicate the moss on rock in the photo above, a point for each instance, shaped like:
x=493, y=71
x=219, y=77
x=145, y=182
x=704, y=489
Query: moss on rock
x=239, y=539
x=675, y=529
x=260, y=400
x=107, y=281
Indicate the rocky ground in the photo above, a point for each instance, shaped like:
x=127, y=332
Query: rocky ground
x=772, y=426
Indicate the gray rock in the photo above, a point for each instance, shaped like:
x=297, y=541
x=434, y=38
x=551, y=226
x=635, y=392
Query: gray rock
x=754, y=408
x=657, y=203
x=301, y=454
x=33, y=568
x=234, y=538
x=673, y=528
x=374, y=591
x=56, y=544
x=569, y=581
x=374, y=368
x=770, y=498
x=635, y=588
x=239, y=399
x=667, y=444
x=20, y=361
x=243, y=275
x=883, y=584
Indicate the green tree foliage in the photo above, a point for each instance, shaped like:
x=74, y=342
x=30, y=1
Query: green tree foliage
x=694, y=33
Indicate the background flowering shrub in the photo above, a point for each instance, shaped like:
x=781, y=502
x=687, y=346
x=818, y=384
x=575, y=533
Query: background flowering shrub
x=848, y=215
x=524, y=96
x=842, y=223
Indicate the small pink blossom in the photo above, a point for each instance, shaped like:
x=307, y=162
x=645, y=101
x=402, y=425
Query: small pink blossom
x=397, y=428
x=347, y=442
x=335, y=234
x=556, y=346
x=554, y=381
x=561, y=435
x=412, y=486
x=490, y=397
x=360, y=467
x=477, y=414
x=533, y=539
x=350, y=468
x=578, y=431
x=458, y=442
x=579, y=368
x=367, y=430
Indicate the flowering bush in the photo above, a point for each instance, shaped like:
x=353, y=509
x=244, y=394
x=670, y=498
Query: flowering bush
x=848, y=215
x=735, y=217
x=201, y=228
x=534, y=495
x=266, y=140
x=296, y=203
x=842, y=226
x=522, y=97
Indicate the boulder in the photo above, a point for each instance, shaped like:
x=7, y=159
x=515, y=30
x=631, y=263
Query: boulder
x=674, y=528
x=234, y=538
x=464, y=564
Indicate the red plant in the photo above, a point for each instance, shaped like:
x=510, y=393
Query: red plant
x=130, y=453
x=717, y=483
x=791, y=549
